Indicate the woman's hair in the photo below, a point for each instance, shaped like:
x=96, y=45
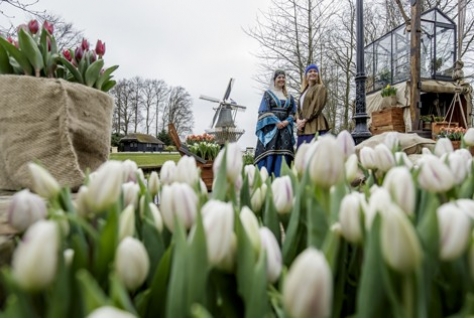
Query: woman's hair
x=275, y=75
x=305, y=83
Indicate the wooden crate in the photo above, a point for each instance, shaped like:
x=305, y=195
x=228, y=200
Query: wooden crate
x=436, y=127
x=388, y=128
x=391, y=116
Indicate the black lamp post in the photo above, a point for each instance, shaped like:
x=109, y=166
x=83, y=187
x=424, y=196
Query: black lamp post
x=360, y=132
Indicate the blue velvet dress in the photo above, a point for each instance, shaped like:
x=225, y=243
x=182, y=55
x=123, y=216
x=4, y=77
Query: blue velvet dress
x=275, y=145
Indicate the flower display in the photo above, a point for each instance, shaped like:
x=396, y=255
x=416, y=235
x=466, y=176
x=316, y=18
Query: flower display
x=388, y=91
x=452, y=133
x=394, y=245
x=34, y=52
x=203, y=145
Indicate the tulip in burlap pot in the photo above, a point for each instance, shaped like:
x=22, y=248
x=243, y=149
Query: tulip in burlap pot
x=63, y=126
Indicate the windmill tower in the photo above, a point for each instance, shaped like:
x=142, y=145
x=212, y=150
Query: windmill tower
x=223, y=123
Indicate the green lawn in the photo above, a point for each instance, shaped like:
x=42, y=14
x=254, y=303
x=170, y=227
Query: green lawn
x=146, y=159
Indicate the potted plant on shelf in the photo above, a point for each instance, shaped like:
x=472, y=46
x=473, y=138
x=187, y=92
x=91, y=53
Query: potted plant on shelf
x=204, y=146
x=440, y=123
x=54, y=108
x=427, y=120
x=389, y=94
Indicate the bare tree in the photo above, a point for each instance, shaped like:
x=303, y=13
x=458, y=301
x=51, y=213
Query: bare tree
x=178, y=111
x=8, y=9
x=123, y=112
x=161, y=92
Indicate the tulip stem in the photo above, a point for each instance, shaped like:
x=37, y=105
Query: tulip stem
x=408, y=296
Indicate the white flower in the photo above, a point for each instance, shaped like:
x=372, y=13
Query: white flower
x=153, y=183
x=129, y=171
x=300, y=158
x=250, y=224
x=234, y=162
x=434, y=175
x=384, y=158
x=326, y=165
x=263, y=174
x=443, y=145
x=454, y=231
x=168, y=172
x=131, y=191
x=346, y=143
x=270, y=246
x=401, y=187
x=104, y=190
x=82, y=202
x=44, y=183
x=127, y=222
x=178, y=200
x=25, y=209
x=392, y=141
x=131, y=263
x=368, y=158
x=350, y=218
x=250, y=172
x=402, y=159
x=456, y=163
x=307, y=291
x=469, y=137
x=282, y=194
x=109, y=312
x=187, y=171
x=351, y=167
x=155, y=212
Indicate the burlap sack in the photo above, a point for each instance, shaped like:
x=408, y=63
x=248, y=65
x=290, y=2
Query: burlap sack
x=63, y=126
x=410, y=143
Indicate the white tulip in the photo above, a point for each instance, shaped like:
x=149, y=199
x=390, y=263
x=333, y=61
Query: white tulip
x=402, y=159
x=469, y=137
x=378, y=202
x=270, y=246
x=467, y=206
x=250, y=224
x=127, y=222
x=44, y=184
x=282, y=194
x=234, y=162
x=368, y=158
x=263, y=174
x=25, y=209
x=187, y=171
x=155, y=212
x=180, y=201
x=350, y=218
x=308, y=288
x=82, y=202
x=129, y=171
x=168, y=172
x=351, y=167
x=154, y=184
x=346, y=143
x=384, y=158
x=68, y=257
x=326, y=165
x=434, y=175
x=104, y=190
x=250, y=172
x=392, y=141
x=131, y=263
x=456, y=163
x=35, y=259
x=256, y=200
x=401, y=187
x=300, y=158
x=131, y=192
x=454, y=231
x=109, y=312
x=443, y=145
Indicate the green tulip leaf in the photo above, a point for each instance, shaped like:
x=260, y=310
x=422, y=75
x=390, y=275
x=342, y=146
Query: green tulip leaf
x=18, y=56
x=19, y=303
x=154, y=245
x=74, y=71
x=29, y=47
x=119, y=295
x=104, y=77
x=61, y=290
x=158, y=292
x=5, y=67
x=92, y=72
x=257, y=303
x=108, y=85
x=270, y=216
x=247, y=259
x=92, y=295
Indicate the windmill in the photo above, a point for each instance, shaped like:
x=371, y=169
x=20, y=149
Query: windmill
x=223, y=123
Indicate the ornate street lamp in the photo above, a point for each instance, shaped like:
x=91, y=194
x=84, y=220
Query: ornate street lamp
x=360, y=132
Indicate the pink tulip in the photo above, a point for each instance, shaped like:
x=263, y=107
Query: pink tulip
x=10, y=39
x=33, y=26
x=100, y=48
x=78, y=54
x=85, y=45
x=67, y=55
x=48, y=27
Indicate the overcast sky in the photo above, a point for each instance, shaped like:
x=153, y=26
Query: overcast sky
x=197, y=44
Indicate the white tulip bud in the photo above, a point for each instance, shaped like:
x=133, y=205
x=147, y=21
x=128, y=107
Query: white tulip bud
x=384, y=158
x=469, y=137
x=168, y=172
x=256, y=200
x=82, y=202
x=426, y=151
x=104, y=190
x=250, y=172
x=234, y=162
x=454, y=231
x=44, y=184
x=129, y=171
x=467, y=206
x=35, y=259
x=127, y=222
x=378, y=202
x=187, y=171
x=131, y=192
x=178, y=199
x=443, y=145
x=401, y=187
x=400, y=246
x=326, y=165
x=464, y=153
x=402, y=159
x=270, y=246
x=300, y=158
x=109, y=312
x=131, y=263
x=282, y=194
x=392, y=141
x=351, y=167
x=456, y=163
x=350, y=218
x=203, y=187
x=68, y=257
x=59, y=216
x=25, y=209
x=250, y=224
x=346, y=143
x=307, y=291
x=218, y=221
x=368, y=158
x=155, y=212
x=434, y=175
x=153, y=184
x=263, y=174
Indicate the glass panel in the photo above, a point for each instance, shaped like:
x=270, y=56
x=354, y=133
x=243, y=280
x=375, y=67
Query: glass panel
x=426, y=49
x=369, y=68
x=443, y=65
x=441, y=18
x=401, y=55
x=428, y=16
x=383, y=74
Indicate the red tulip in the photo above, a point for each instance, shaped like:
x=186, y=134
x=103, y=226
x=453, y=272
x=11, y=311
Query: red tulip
x=48, y=27
x=100, y=48
x=78, y=54
x=10, y=39
x=85, y=45
x=33, y=25
x=92, y=57
x=67, y=55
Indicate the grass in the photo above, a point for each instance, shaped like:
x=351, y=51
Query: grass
x=146, y=159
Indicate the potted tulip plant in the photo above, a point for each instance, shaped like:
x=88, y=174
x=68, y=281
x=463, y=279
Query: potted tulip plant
x=54, y=109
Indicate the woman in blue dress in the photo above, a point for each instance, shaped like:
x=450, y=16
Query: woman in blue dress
x=276, y=115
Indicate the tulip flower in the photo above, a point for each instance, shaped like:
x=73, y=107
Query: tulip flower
x=351, y=167
x=378, y=202
x=25, y=209
x=78, y=54
x=44, y=183
x=454, y=231
x=153, y=184
x=67, y=55
x=249, y=171
x=384, y=158
x=131, y=263
x=464, y=153
x=326, y=165
x=85, y=45
x=105, y=188
x=307, y=290
x=270, y=246
x=155, y=212
x=469, y=137
x=250, y=224
x=35, y=260
x=257, y=199
x=434, y=175
x=187, y=171
x=234, y=162
x=392, y=141
x=401, y=187
x=218, y=221
x=100, y=48
x=443, y=145
x=346, y=143
x=402, y=159
x=263, y=174
x=350, y=218
x=467, y=206
x=401, y=248
x=180, y=201
x=227, y=263
x=109, y=312
x=282, y=194
x=168, y=172
x=129, y=171
x=127, y=222
x=48, y=27
x=33, y=26
x=300, y=158
x=130, y=194
x=456, y=163
x=82, y=202
x=68, y=256
x=368, y=158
